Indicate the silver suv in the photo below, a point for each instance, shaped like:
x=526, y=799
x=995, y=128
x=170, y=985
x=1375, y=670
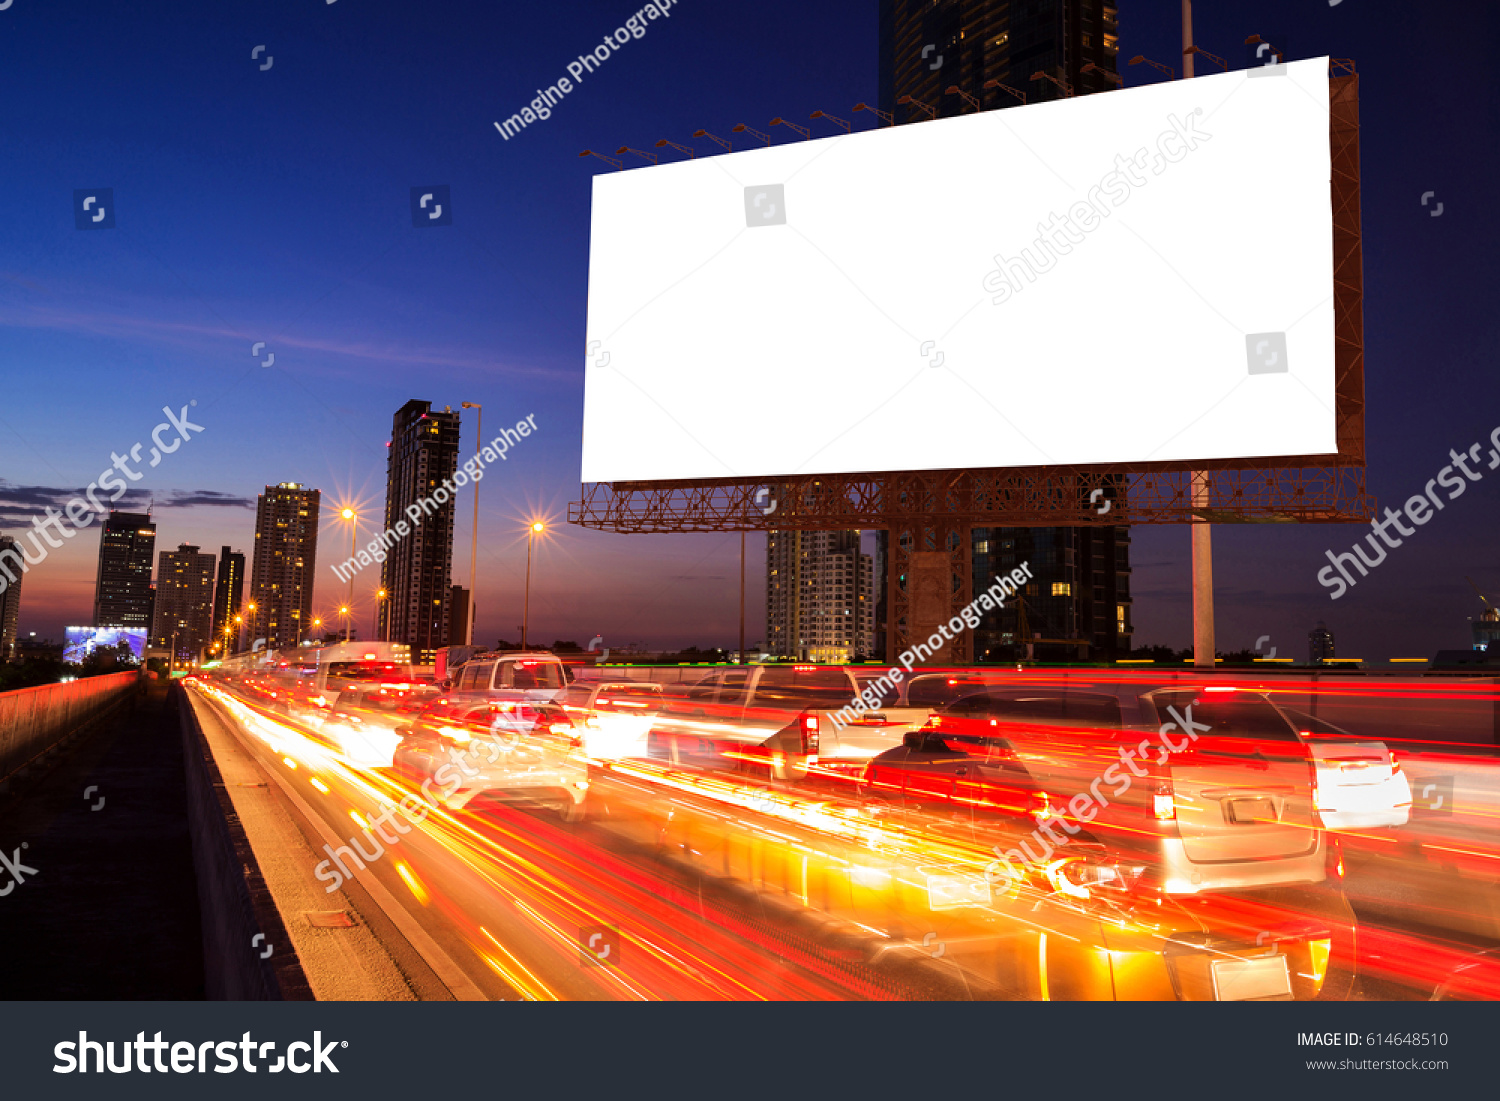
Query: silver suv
x=521, y=676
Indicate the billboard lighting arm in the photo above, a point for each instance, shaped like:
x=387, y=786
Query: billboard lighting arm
x=1255, y=40
x=955, y=90
x=889, y=120
x=679, y=148
x=1199, y=51
x=909, y=101
x=1063, y=85
x=988, y=84
x=1113, y=78
x=803, y=130
x=717, y=141
x=1157, y=65
x=743, y=129
x=607, y=160
x=832, y=118
x=652, y=157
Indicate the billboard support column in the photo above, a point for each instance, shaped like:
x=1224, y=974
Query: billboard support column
x=1203, y=576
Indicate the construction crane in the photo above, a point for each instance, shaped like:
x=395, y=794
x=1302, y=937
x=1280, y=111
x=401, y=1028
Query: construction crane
x=1491, y=613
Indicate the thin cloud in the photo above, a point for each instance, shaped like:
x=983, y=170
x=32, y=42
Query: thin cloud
x=204, y=337
x=183, y=498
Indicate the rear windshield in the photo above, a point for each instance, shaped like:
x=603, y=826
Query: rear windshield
x=1072, y=710
x=629, y=692
x=1229, y=714
x=530, y=674
x=369, y=670
x=936, y=691
x=804, y=686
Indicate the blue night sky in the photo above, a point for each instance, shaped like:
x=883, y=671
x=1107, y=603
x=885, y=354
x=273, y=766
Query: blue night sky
x=273, y=206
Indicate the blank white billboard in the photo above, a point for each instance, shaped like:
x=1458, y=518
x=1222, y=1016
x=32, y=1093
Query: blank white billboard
x=1129, y=277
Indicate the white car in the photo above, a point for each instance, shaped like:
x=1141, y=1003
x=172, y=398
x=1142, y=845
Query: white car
x=1359, y=782
x=615, y=717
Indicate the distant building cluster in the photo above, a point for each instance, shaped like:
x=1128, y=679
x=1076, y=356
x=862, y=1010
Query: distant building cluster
x=820, y=596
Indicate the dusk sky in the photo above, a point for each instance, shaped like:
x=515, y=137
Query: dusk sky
x=272, y=205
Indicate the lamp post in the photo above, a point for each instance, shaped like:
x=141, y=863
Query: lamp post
x=349, y=515
x=531, y=535
x=474, y=540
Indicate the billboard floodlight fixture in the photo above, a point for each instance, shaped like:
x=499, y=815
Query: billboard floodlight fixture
x=1157, y=65
x=743, y=129
x=716, y=140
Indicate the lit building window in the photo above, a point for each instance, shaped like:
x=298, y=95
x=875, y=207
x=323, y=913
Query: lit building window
x=1062, y=588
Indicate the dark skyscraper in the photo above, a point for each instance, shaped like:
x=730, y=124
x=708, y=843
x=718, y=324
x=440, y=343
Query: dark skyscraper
x=229, y=591
x=1319, y=644
x=286, y=554
x=928, y=46
x=10, y=605
x=417, y=574
x=1082, y=586
x=458, y=616
x=184, y=602
x=122, y=590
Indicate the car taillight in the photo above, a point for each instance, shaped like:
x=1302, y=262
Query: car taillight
x=1163, y=806
x=809, y=734
x=1395, y=764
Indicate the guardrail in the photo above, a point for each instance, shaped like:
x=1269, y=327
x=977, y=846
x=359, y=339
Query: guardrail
x=32, y=720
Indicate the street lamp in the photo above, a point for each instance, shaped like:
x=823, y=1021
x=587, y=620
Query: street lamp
x=348, y=514
x=531, y=534
x=474, y=540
